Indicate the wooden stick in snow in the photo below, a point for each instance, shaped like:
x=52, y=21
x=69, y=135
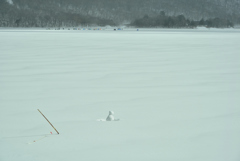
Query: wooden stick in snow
x=48, y=121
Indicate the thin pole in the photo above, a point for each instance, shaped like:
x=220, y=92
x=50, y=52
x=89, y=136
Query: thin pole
x=48, y=121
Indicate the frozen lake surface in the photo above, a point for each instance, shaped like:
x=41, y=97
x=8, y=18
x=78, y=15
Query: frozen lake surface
x=176, y=92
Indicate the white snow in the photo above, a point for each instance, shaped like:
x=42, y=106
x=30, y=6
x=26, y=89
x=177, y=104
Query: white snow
x=176, y=92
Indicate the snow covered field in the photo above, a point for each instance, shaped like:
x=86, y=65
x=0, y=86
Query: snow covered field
x=176, y=92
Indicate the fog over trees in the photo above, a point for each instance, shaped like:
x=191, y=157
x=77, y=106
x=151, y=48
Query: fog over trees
x=59, y=13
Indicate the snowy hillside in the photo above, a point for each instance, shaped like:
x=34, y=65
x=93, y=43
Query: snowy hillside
x=176, y=93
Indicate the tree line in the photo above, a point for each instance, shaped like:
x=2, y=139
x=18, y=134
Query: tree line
x=54, y=13
x=41, y=16
x=179, y=21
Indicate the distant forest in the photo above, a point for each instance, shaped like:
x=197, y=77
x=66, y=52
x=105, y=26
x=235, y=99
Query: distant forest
x=72, y=13
x=21, y=15
x=179, y=22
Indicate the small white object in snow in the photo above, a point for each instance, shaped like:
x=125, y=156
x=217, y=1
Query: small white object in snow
x=110, y=116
